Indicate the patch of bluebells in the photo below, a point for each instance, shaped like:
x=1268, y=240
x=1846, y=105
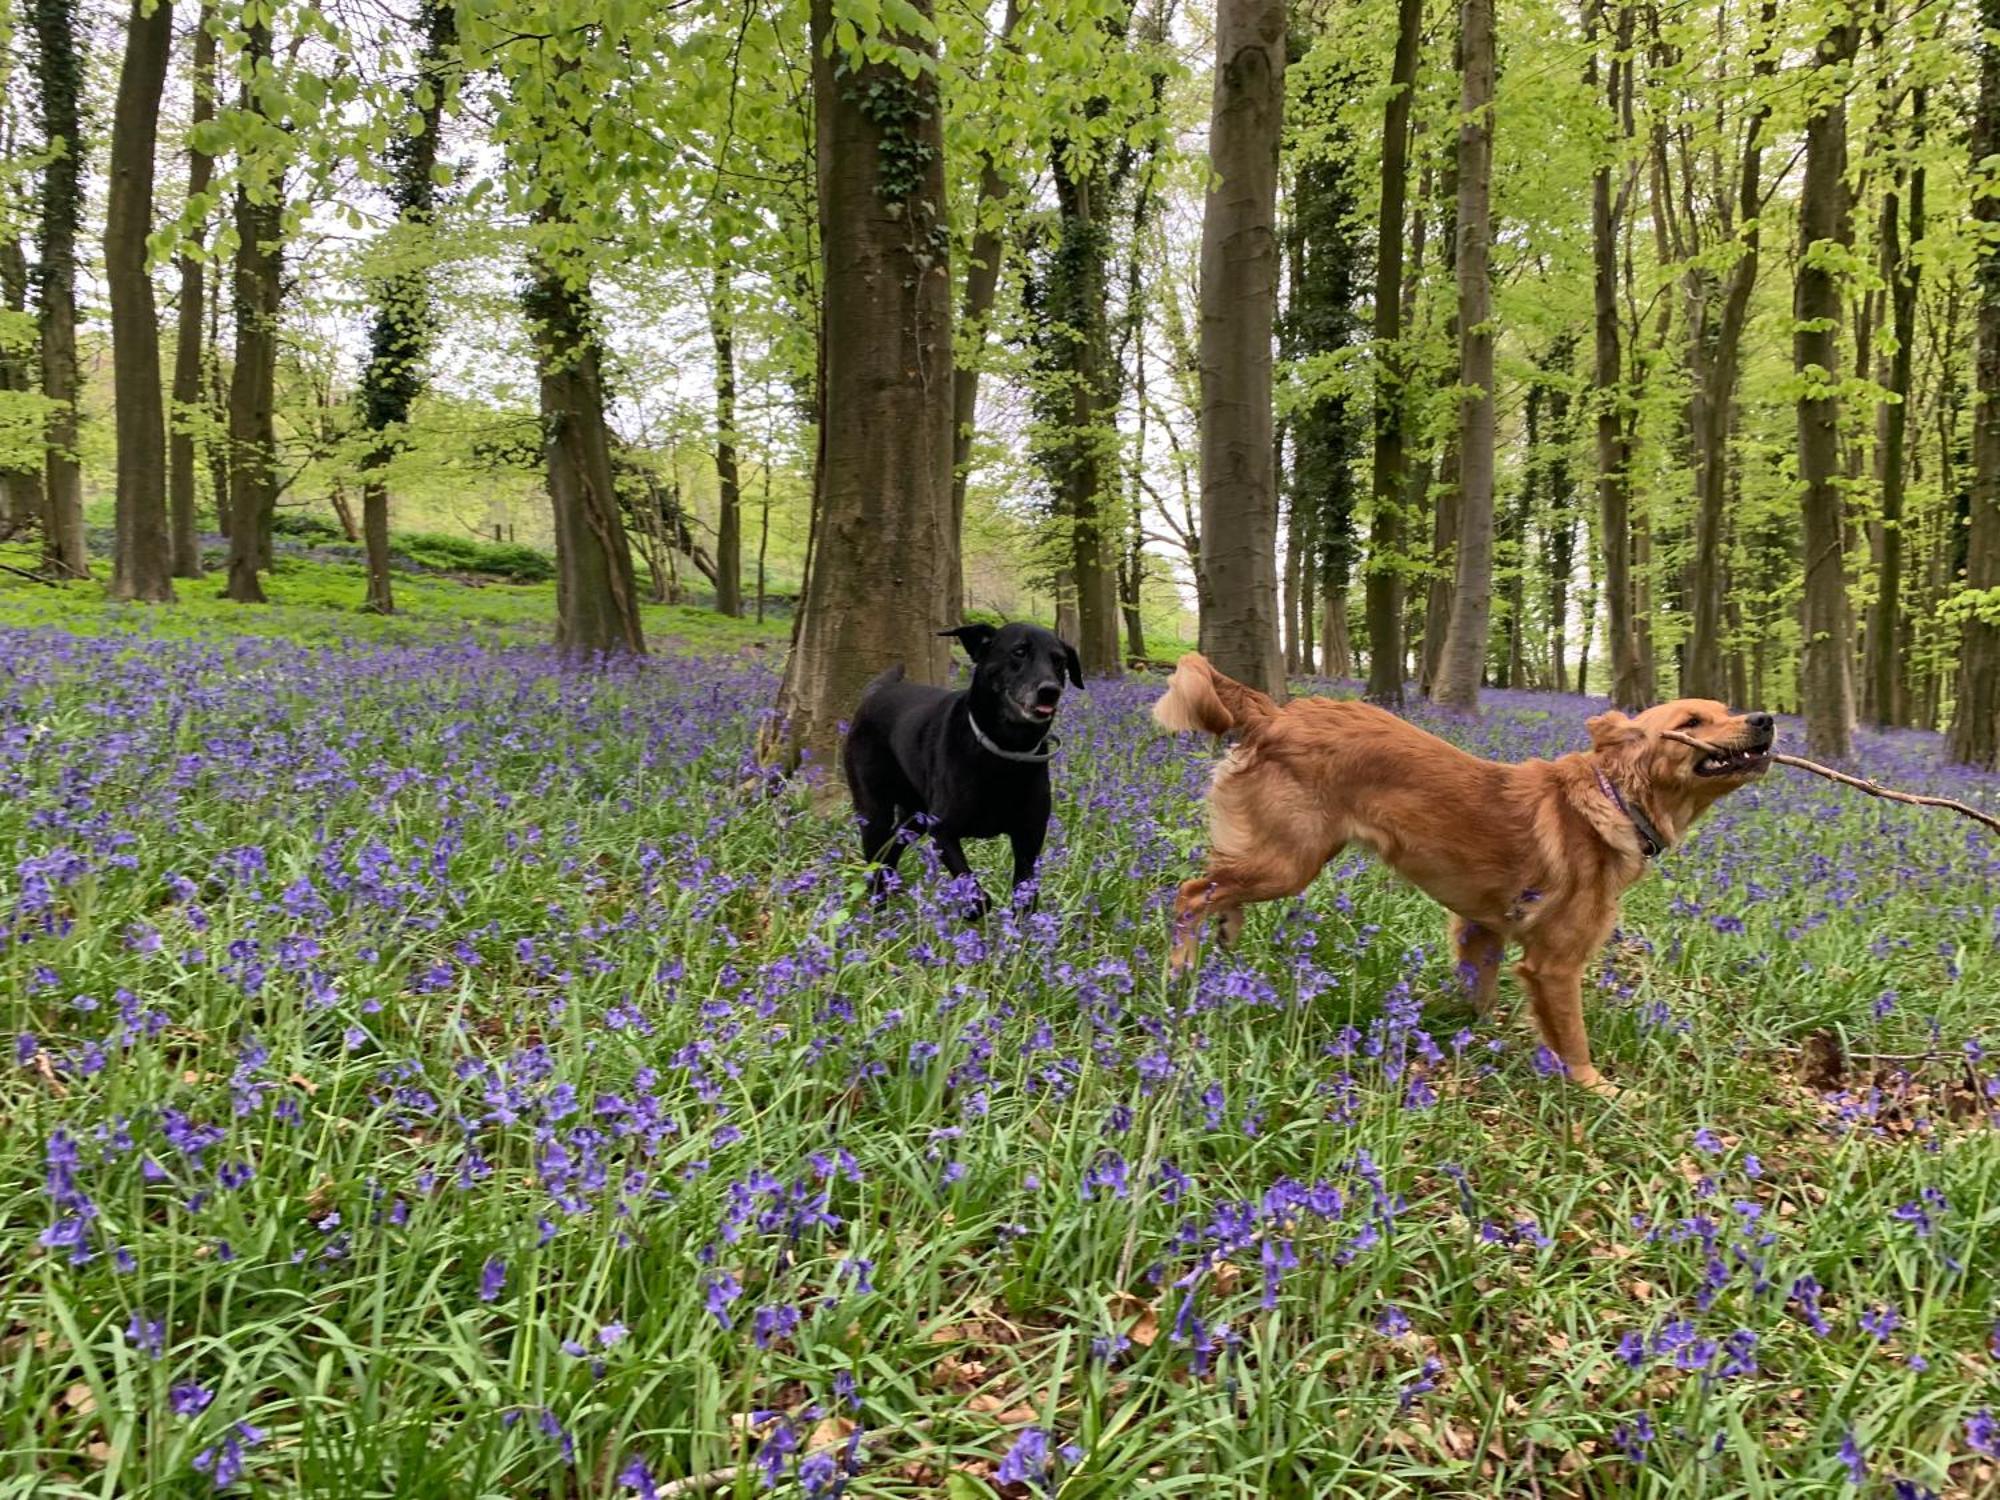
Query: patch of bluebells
x=576, y=1005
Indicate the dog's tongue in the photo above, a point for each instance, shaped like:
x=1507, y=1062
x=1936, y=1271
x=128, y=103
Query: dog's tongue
x=1045, y=710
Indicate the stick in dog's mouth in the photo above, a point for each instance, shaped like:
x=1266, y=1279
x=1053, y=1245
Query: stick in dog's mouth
x=1721, y=760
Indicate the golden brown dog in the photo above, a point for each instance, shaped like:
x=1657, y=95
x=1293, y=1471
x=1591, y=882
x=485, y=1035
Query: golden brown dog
x=1536, y=853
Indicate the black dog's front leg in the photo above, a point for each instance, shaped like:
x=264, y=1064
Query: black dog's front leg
x=1027, y=849
x=952, y=853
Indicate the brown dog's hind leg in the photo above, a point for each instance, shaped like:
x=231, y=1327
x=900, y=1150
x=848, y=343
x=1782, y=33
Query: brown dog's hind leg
x=1555, y=990
x=1479, y=951
x=1224, y=891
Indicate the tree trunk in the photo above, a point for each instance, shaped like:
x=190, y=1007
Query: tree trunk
x=884, y=549
x=59, y=75
x=1076, y=443
x=729, y=489
x=982, y=282
x=1825, y=684
x=1335, y=645
x=142, y=558
x=252, y=436
x=597, y=603
x=1975, y=726
x=187, y=394
x=1384, y=588
x=1239, y=286
x=1559, y=531
x=1903, y=262
x=400, y=337
x=23, y=494
x=1715, y=370
x=1614, y=455
x=1463, y=660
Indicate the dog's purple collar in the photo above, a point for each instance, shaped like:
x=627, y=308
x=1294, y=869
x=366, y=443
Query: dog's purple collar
x=1651, y=845
x=1041, y=755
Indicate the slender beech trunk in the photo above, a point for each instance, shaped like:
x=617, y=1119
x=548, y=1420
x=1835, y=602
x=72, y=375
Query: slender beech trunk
x=1825, y=680
x=400, y=337
x=59, y=74
x=1614, y=454
x=1463, y=660
x=188, y=325
x=1239, y=287
x=728, y=485
x=597, y=603
x=143, y=561
x=1715, y=372
x=1384, y=588
x=252, y=434
x=1975, y=725
x=982, y=282
x=23, y=498
x=1901, y=260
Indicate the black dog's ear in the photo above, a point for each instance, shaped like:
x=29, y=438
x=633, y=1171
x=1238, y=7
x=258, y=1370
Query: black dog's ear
x=975, y=638
x=1075, y=663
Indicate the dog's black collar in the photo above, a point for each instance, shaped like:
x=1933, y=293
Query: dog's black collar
x=1041, y=755
x=1651, y=844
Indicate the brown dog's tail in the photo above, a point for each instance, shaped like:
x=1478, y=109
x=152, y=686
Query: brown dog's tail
x=1199, y=697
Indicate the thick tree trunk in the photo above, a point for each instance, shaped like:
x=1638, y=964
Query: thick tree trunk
x=1384, y=587
x=982, y=282
x=59, y=74
x=1715, y=369
x=884, y=550
x=143, y=562
x=188, y=325
x=1824, y=230
x=1614, y=455
x=729, y=488
x=252, y=435
x=1336, y=647
x=1902, y=261
x=22, y=499
x=597, y=601
x=1239, y=288
x=400, y=336
x=1975, y=725
x=1463, y=661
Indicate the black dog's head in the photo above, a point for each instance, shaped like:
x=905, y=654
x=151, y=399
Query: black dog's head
x=1019, y=668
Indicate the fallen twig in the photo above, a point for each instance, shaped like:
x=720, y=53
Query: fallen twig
x=1860, y=784
x=31, y=577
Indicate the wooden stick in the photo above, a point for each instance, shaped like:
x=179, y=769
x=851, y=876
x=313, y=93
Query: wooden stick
x=1858, y=783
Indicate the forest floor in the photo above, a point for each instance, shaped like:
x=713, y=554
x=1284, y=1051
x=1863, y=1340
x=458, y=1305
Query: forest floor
x=430, y=1072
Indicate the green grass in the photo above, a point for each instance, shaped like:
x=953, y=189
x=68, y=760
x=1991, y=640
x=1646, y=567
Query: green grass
x=488, y=893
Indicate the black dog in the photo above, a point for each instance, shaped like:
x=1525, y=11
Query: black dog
x=971, y=764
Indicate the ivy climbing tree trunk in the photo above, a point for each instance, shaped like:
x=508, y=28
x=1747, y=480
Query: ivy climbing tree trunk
x=1388, y=471
x=728, y=483
x=253, y=378
x=1079, y=400
x=1239, y=292
x=187, y=392
x=59, y=78
x=1614, y=450
x=1975, y=725
x=884, y=546
x=1464, y=658
x=400, y=336
x=143, y=561
x=1825, y=682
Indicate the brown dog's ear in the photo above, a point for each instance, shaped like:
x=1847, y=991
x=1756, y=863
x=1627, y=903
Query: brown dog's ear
x=1611, y=729
x=975, y=638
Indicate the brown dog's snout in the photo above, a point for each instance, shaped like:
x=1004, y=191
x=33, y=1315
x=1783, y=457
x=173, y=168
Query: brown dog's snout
x=1763, y=728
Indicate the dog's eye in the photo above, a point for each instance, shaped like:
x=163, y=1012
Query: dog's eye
x=1692, y=721
x=1020, y=653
